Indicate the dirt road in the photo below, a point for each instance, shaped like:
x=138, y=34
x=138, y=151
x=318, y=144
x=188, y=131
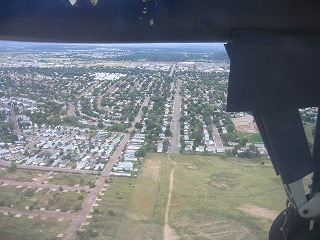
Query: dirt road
x=168, y=232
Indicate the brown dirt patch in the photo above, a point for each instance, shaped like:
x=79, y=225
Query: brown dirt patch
x=137, y=216
x=245, y=124
x=152, y=169
x=259, y=212
x=191, y=167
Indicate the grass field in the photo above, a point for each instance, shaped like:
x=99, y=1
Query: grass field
x=252, y=137
x=212, y=198
x=14, y=228
x=229, y=198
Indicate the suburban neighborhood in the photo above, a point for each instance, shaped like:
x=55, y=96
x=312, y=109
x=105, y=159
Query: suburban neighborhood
x=96, y=111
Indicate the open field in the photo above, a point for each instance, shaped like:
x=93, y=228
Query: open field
x=212, y=198
x=13, y=227
x=216, y=198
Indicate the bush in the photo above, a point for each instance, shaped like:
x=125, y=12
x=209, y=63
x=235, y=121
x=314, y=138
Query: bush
x=96, y=210
x=80, y=197
x=13, y=167
x=111, y=213
x=77, y=208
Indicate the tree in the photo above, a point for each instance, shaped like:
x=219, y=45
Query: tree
x=111, y=213
x=144, y=109
x=96, y=210
x=77, y=208
x=138, y=125
x=100, y=125
x=141, y=152
x=13, y=167
x=168, y=132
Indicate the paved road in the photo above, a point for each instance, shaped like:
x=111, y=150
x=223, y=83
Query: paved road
x=88, y=203
x=175, y=139
x=173, y=68
x=110, y=90
x=16, y=128
x=71, y=109
x=88, y=90
x=216, y=135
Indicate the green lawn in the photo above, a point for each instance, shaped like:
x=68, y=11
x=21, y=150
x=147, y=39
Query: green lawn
x=252, y=137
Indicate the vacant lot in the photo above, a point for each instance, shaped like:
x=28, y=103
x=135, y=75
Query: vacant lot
x=212, y=198
x=71, y=179
x=20, y=174
x=245, y=124
x=36, y=198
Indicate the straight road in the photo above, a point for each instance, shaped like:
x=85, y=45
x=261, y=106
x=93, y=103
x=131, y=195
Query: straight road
x=216, y=136
x=71, y=109
x=173, y=68
x=175, y=139
x=88, y=203
x=16, y=128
